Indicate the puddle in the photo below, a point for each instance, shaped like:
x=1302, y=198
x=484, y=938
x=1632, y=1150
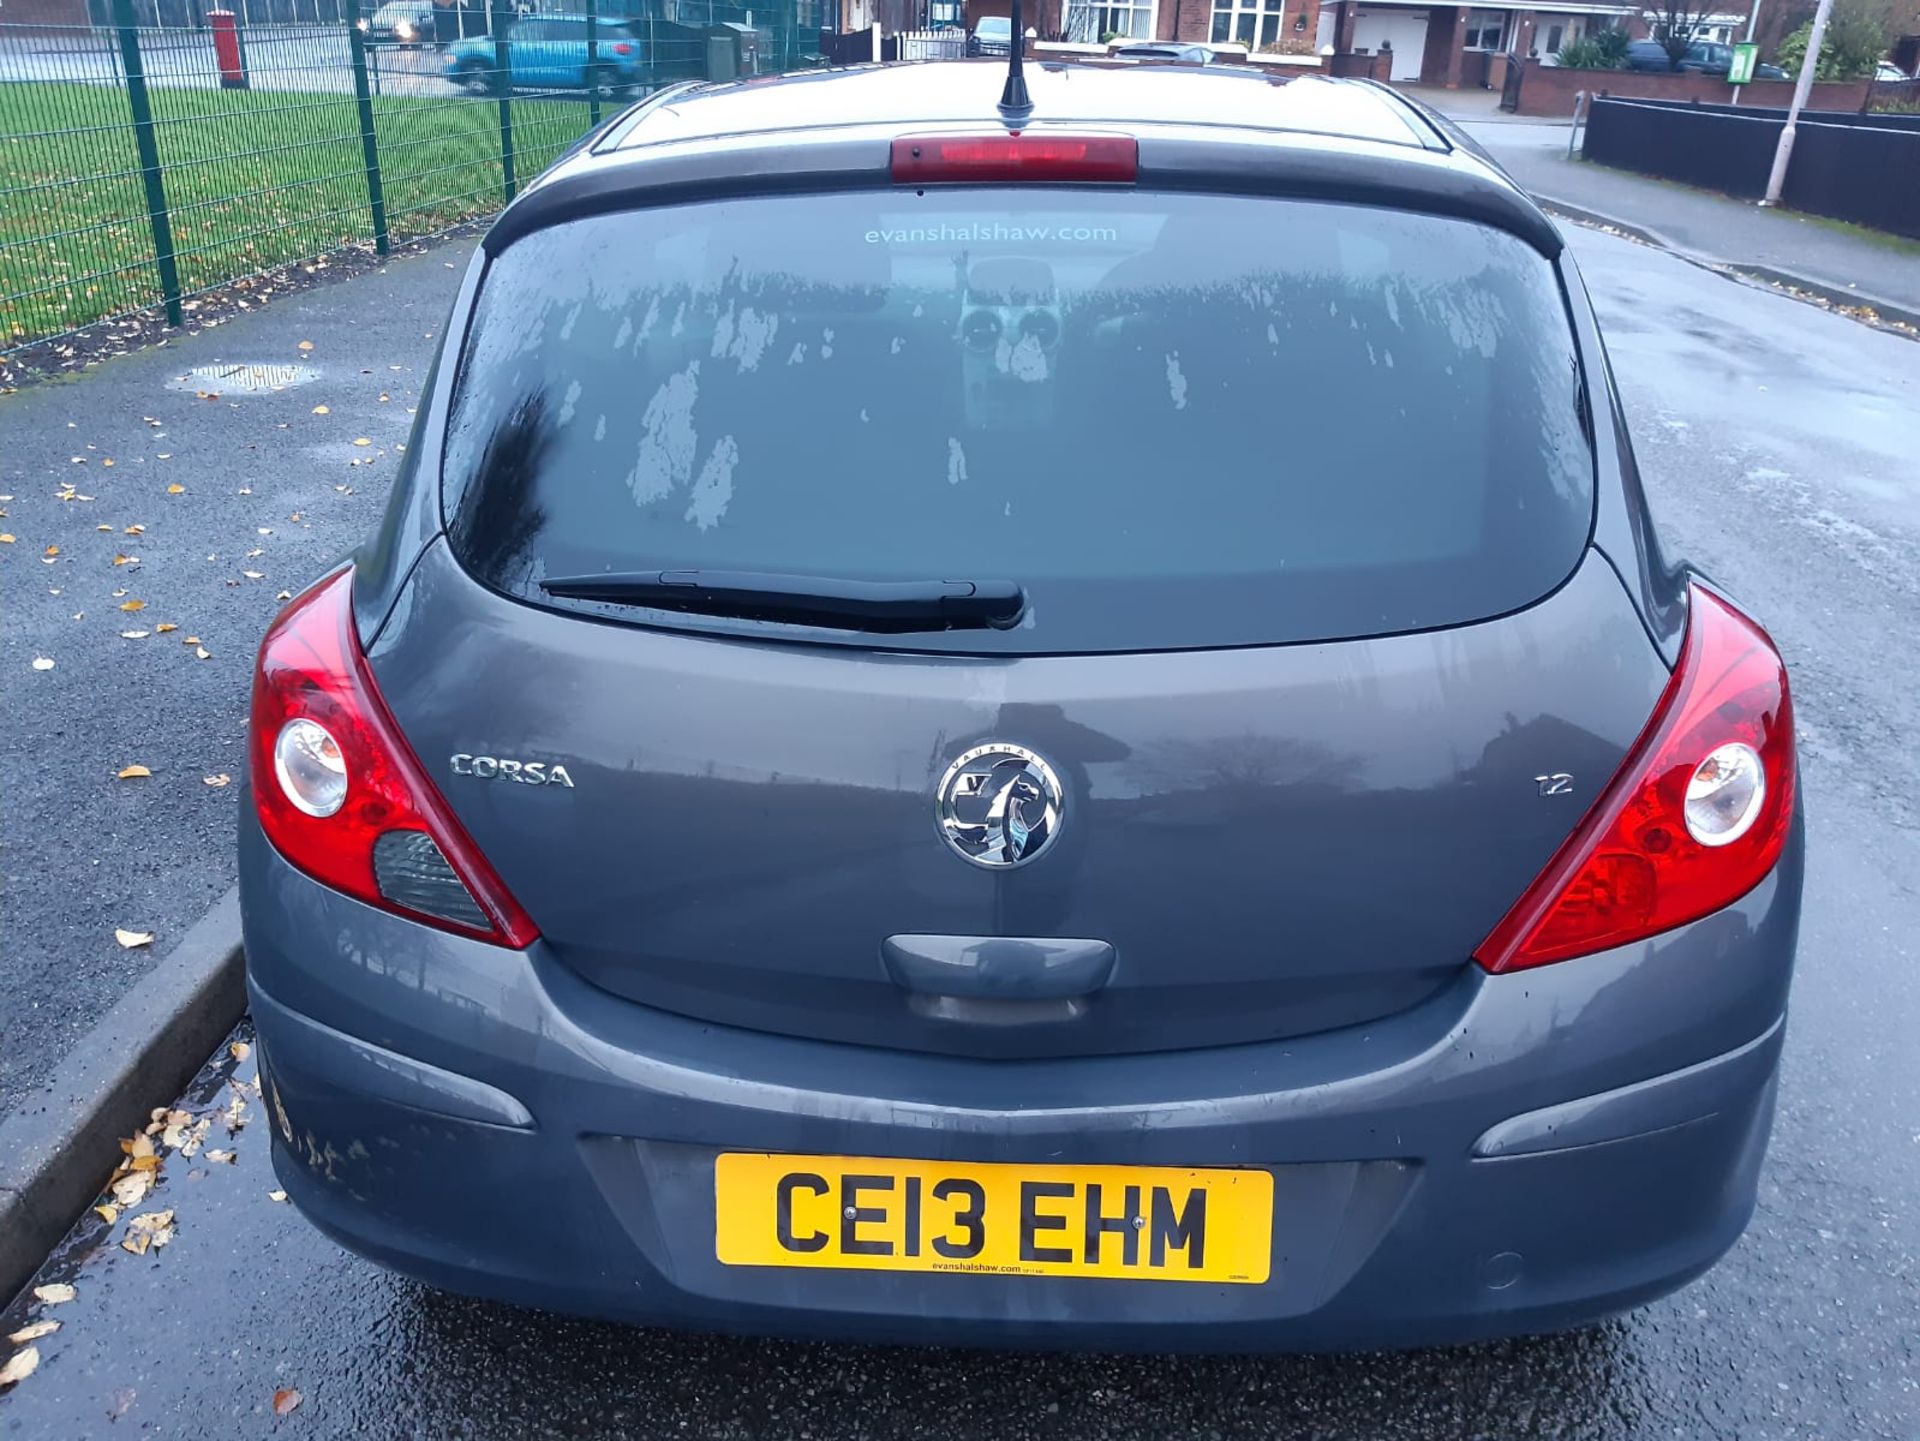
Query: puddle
x=234, y=379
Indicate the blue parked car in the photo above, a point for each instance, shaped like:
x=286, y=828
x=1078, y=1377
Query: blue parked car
x=549, y=52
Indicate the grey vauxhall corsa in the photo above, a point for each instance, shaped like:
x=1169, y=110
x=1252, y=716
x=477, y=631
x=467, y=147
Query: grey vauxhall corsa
x=1054, y=727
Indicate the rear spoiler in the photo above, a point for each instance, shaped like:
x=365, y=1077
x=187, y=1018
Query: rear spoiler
x=1178, y=158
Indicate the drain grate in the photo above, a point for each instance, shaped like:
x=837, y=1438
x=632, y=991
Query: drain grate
x=244, y=378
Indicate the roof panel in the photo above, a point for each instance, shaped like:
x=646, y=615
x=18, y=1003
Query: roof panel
x=966, y=91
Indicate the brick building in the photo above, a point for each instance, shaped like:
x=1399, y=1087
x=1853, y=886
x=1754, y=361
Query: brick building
x=1455, y=45
x=1430, y=44
x=1286, y=26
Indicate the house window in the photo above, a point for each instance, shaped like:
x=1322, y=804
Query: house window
x=1095, y=24
x=1252, y=23
x=1486, y=30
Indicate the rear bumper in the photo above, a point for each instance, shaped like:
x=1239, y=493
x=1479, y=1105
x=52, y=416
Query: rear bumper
x=1521, y=1153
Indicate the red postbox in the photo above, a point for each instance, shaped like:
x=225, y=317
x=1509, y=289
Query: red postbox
x=226, y=50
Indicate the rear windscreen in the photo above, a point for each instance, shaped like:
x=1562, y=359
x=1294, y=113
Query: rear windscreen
x=1175, y=420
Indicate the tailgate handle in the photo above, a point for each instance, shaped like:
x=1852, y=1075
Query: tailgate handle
x=1013, y=968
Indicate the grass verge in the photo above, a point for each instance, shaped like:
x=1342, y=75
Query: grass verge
x=253, y=179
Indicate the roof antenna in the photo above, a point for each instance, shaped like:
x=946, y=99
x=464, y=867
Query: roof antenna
x=1015, y=104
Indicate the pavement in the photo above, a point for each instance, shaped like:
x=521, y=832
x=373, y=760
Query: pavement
x=1845, y=264
x=268, y=493
x=1778, y=443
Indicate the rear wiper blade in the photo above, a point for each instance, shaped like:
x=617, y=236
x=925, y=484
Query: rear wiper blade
x=874, y=605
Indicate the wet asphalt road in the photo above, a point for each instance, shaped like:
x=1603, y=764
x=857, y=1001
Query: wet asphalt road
x=267, y=486
x=1782, y=448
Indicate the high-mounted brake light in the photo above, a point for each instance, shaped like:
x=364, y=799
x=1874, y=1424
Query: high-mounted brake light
x=997, y=159
x=621, y=47
x=340, y=793
x=1696, y=817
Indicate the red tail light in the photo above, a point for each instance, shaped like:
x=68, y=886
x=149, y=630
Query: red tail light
x=995, y=159
x=334, y=781
x=1694, y=820
x=620, y=47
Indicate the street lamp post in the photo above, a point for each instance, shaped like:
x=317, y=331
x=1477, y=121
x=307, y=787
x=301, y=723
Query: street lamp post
x=1802, y=87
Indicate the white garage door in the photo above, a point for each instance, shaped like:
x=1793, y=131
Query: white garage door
x=1406, y=30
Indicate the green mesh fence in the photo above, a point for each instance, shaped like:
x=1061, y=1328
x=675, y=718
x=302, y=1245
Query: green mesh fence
x=164, y=149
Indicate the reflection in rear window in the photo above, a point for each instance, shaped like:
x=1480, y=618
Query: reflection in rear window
x=1176, y=420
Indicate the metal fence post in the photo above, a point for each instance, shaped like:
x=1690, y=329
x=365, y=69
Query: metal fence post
x=369, y=143
x=593, y=62
x=150, y=175
x=503, y=87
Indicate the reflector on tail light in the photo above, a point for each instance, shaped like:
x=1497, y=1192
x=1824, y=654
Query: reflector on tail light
x=1695, y=818
x=339, y=792
x=996, y=159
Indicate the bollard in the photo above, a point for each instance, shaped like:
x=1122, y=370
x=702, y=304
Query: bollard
x=226, y=50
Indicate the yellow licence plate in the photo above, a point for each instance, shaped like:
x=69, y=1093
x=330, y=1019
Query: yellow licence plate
x=1150, y=1223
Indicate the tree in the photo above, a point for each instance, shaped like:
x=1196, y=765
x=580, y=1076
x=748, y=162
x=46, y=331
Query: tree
x=1673, y=23
x=1858, y=34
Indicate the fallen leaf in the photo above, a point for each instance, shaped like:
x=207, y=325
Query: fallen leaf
x=133, y=605
x=155, y=1227
x=254, y=574
x=203, y=653
x=135, y=530
x=55, y=550
x=276, y=1195
x=134, y=773
x=236, y=1112
x=125, y=560
x=132, y=940
x=224, y=1158
x=6, y=540
x=54, y=1293
x=306, y=345
x=141, y=1144
x=107, y=1212
x=216, y=781
x=164, y=627
x=41, y=662
x=134, y=634
x=108, y=461
x=321, y=410
x=21, y=1365
x=189, y=640
x=103, y=527
x=363, y=441
x=196, y=1136
x=240, y=1050
x=284, y=1400
x=122, y=1399
x=131, y=1189
x=176, y=488
x=284, y=595
x=34, y=1332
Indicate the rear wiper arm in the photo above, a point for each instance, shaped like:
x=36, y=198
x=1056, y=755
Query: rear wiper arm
x=873, y=605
